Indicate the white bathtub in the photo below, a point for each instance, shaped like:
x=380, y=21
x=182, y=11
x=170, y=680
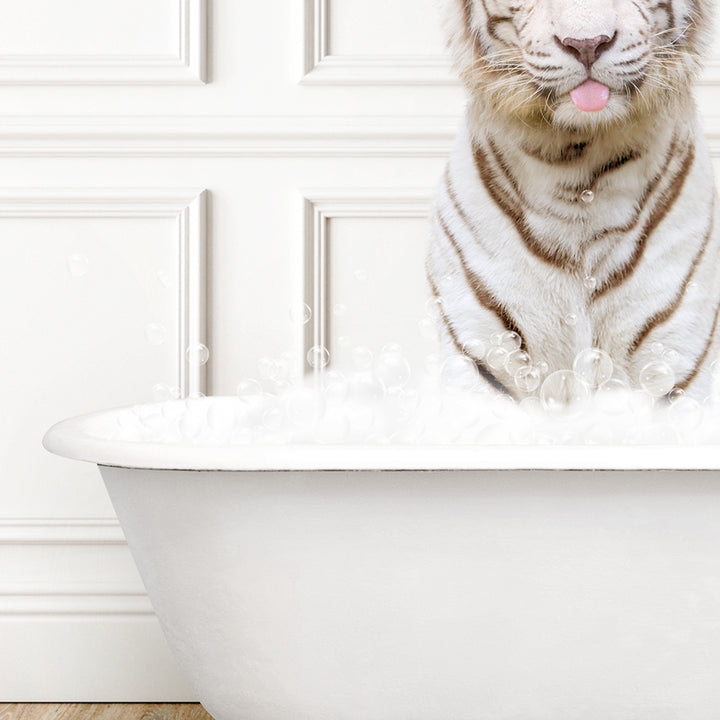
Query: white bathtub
x=446, y=583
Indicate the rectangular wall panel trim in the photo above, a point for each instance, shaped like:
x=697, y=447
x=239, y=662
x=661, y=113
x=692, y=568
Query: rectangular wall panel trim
x=227, y=136
x=187, y=207
x=323, y=68
x=186, y=67
x=60, y=531
x=321, y=206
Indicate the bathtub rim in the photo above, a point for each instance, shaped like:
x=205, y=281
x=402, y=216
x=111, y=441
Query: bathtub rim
x=70, y=439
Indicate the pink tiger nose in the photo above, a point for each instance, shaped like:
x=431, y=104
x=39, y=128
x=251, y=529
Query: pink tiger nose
x=587, y=50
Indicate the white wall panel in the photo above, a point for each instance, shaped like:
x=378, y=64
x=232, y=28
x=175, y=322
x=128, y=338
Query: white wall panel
x=94, y=287
x=102, y=41
x=365, y=260
x=374, y=42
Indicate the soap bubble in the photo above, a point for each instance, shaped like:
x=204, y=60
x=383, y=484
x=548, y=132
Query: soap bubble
x=528, y=379
x=657, y=349
x=516, y=361
x=641, y=403
x=335, y=386
x=563, y=391
x=571, y=319
x=674, y=395
x=221, y=414
x=510, y=341
x=392, y=369
x=301, y=314
x=587, y=196
x=594, y=366
x=275, y=369
x=197, y=355
x=163, y=277
x=672, y=358
x=590, y=283
x=155, y=333
x=249, y=389
x=497, y=357
x=304, y=406
x=191, y=425
x=434, y=308
x=332, y=428
x=612, y=396
x=318, y=357
x=273, y=419
x=475, y=348
x=362, y=357
x=428, y=328
x=657, y=378
x=78, y=264
x=433, y=365
x=686, y=413
x=459, y=374
x=161, y=392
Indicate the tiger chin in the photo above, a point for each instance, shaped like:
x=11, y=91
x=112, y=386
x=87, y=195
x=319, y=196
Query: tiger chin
x=578, y=208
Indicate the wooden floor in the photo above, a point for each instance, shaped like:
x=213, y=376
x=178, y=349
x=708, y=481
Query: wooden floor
x=102, y=711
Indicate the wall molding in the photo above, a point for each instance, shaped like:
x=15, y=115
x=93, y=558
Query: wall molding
x=186, y=67
x=79, y=597
x=383, y=136
x=63, y=599
x=323, y=68
x=61, y=531
x=322, y=206
x=229, y=136
x=187, y=207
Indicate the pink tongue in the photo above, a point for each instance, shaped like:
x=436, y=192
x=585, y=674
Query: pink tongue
x=591, y=96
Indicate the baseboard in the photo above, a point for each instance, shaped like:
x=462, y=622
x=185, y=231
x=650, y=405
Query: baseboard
x=87, y=659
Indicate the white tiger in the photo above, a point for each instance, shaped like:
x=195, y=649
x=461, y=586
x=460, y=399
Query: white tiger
x=578, y=208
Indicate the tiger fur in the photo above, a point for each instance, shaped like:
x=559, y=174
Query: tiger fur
x=579, y=229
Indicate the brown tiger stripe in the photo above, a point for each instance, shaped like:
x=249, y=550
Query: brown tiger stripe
x=565, y=156
x=664, y=315
x=642, y=12
x=543, y=68
x=482, y=368
x=599, y=172
x=521, y=199
x=516, y=215
x=645, y=197
x=665, y=204
x=492, y=20
x=696, y=369
x=482, y=294
x=668, y=8
x=456, y=202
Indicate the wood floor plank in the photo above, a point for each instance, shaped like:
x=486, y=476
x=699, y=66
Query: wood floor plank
x=103, y=711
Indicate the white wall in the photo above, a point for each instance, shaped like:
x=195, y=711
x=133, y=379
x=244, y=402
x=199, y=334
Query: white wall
x=151, y=149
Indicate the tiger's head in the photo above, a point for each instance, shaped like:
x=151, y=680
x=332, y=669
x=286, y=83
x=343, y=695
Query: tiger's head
x=577, y=64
